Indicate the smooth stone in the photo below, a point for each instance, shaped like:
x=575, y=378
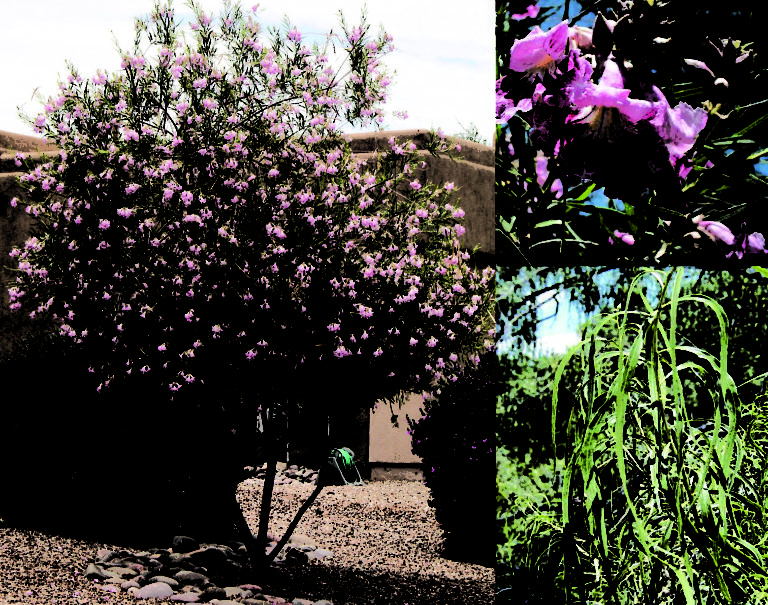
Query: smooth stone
x=187, y=597
x=124, y=572
x=191, y=588
x=252, y=587
x=213, y=592
x=190, y=577
x=182, y=544
x=320, y=553
x=301, y=540
x=157, y=590
x=103, y=555
x=302, y=602
x=129, y=584
x=95, y=572
x=165, y=580
x=234, y=591
x=137, y=567
x=323, y=602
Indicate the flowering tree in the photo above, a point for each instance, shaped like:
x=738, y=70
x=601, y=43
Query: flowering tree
x=205, y=221
x=591, y=108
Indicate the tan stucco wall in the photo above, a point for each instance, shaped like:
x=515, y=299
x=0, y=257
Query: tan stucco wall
x=388, y=444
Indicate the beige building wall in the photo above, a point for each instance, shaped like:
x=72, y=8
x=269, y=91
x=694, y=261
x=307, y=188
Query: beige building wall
x=389, y=450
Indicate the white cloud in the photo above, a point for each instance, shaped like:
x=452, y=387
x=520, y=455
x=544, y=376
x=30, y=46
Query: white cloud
x=444, y=52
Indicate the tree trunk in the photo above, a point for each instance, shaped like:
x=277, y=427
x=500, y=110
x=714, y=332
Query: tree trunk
x=257, y=544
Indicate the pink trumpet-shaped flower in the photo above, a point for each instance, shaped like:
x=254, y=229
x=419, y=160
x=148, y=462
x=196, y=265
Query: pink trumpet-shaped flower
x=627, y=238
x=581, y=37
x=542, y=174
x=678, y=127
x=608, y=92
x=531, y=11
x=715, y=230
x=539, y=50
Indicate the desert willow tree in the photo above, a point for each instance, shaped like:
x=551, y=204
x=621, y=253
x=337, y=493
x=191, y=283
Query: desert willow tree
x=206, y=224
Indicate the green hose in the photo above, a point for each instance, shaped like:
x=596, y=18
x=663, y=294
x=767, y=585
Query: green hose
x=346, y=457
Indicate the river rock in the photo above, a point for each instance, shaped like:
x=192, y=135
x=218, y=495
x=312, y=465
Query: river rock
x=157, y=590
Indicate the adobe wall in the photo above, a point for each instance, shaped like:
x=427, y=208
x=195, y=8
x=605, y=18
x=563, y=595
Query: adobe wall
x=377, y=445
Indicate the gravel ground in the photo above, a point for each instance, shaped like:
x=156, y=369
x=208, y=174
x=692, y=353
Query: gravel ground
x=384, y=537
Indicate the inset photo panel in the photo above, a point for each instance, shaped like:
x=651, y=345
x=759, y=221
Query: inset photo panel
x=631, y=435
x=630, y=133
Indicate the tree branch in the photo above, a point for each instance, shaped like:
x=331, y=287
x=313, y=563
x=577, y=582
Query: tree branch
x=289, y=532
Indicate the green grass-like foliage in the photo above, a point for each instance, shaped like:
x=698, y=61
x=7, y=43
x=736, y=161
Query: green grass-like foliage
x=643, y=503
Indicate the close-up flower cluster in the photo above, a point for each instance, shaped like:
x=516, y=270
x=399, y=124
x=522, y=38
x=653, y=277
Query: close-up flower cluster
x=583, y=110
x=205, y=204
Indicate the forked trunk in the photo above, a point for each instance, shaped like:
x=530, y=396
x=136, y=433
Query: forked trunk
x=257, y=544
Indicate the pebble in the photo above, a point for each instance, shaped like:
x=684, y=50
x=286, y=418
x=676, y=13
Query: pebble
x=191, y=572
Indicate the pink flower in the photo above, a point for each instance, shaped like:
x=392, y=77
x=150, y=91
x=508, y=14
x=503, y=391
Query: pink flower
x=531, y=11
x=294, y=35
x=715, y=230
x=627, y=238
x=608, y=92
x=539, y=50
x=273, y=173
x=678, y=127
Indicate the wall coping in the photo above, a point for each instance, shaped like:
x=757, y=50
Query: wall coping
x=360, y=143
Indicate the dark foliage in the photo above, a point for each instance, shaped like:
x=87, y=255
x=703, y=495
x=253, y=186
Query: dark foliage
x=454, y=439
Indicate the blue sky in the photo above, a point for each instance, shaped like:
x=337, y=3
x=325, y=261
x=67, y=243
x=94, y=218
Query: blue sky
x=556, y=334
x=444, y=55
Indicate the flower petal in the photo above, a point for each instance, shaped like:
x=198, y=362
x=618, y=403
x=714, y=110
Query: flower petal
x=539, y=48
x=678, y=127
x=716, y=231
x=755, y=243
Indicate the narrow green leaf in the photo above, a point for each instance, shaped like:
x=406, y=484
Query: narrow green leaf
x=586, y=193
x=548, y=223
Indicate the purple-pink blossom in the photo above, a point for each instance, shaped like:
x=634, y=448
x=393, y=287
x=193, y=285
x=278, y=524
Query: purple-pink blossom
x=608, y=92
x=539, y=50
x=715, y=231
x=627, y=238
x=678, y=127
x=531, y=11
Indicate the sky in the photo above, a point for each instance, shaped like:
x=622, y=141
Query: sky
x=444, y=53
